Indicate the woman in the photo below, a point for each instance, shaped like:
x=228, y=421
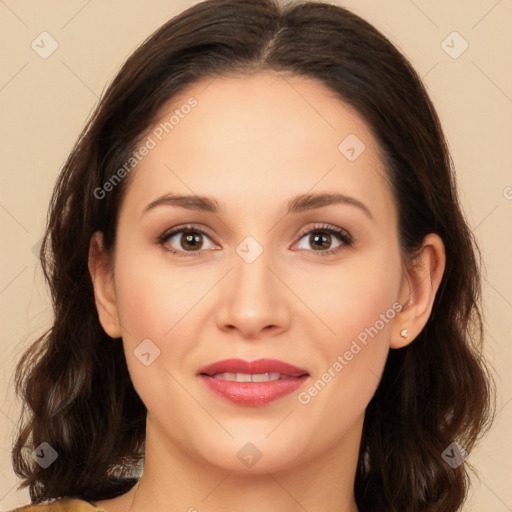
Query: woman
x=264, y=288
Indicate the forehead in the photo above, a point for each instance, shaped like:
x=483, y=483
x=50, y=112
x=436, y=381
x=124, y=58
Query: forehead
x=263, y=136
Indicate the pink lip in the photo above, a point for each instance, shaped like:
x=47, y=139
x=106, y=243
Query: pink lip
x=257, y=366
x=253, y=394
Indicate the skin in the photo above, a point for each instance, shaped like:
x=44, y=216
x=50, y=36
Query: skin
x=253, y=143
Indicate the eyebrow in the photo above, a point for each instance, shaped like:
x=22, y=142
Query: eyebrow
x=297, y=204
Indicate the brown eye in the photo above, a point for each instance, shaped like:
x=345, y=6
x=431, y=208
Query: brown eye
x=191, y=241
x=320, y=239
x=185, y=240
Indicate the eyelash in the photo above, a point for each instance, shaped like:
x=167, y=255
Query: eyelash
x=341, y=234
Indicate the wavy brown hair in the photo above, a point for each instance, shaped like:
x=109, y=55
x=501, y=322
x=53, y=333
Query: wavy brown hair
x=74, y=381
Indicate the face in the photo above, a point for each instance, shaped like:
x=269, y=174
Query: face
x=316, y=285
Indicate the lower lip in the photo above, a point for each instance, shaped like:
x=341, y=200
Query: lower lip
x=253, y=394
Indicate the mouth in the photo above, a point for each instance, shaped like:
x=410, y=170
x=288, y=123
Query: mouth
x=252, y=383
x=248, y=377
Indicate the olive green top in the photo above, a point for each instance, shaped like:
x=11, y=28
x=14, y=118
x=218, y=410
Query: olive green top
x=60, y=505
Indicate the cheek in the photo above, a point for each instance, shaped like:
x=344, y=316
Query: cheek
x=354, y=297
x=152, y=304
x=162, y=303
x=152, y=298
x=357, y=307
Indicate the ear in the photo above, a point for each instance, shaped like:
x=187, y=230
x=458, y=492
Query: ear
x=418, y=291
x=100, y=269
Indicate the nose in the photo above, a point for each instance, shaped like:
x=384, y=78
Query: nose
x=254, y=300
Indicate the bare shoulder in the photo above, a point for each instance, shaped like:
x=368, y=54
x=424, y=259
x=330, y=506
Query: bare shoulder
x=60, y=505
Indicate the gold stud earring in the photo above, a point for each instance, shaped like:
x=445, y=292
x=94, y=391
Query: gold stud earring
x=404, y=333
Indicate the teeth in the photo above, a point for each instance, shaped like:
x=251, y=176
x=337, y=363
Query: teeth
x=264, y=377
x=248, y=377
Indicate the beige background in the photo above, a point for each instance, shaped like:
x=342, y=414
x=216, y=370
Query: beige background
x=45, y=102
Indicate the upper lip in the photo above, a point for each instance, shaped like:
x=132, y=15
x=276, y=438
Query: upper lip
x=252, y=367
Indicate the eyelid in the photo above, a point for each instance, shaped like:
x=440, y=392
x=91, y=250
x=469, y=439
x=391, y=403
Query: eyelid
x=329, y=228
x=186, y=227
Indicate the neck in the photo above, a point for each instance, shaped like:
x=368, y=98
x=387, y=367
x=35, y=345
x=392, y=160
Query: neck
x=175, y=480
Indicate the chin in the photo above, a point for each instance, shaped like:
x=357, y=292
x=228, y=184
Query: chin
x=253, y=454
